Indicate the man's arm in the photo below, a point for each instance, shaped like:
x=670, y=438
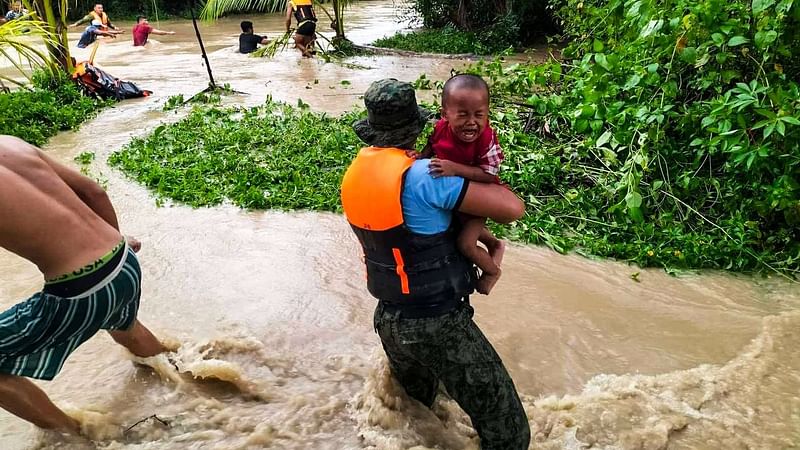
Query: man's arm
x=87, y=190
x=264, y=40
x=106, y=33
x=493, y=201
x=288, y=16
x=427, y=152
x=155, y=31
x=86, y=19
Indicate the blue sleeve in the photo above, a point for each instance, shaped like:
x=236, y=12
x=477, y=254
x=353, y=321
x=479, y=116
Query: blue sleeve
x=443, y=192
x=428, y=202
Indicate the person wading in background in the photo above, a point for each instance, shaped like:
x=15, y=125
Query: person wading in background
x=97, y=14
x=142, y=30
x=306, y=32
x=248, y=41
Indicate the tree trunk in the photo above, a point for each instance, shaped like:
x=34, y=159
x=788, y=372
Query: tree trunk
x=338, y=12
x=503, y=7
x=49, y=12
x=462, y=16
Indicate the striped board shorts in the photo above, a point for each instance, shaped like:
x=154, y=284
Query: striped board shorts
x=37, y=335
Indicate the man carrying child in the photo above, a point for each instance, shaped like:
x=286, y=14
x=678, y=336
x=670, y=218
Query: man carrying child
x=402, y=217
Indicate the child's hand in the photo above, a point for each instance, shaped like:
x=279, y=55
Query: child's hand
x=413, y=154
x=442, y=168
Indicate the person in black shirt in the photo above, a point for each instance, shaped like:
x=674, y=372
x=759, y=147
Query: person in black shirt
x=248, y=42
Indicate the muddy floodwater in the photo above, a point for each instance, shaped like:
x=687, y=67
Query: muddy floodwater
x=273, y=320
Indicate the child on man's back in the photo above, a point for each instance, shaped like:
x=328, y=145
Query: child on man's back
x=465, y=145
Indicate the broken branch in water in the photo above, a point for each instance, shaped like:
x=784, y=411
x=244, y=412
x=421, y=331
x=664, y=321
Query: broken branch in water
x=274, y=46
x=160, y=420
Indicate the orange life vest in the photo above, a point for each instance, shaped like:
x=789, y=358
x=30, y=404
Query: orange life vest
x=402, y=266
x=103, y=19
x=303, y=11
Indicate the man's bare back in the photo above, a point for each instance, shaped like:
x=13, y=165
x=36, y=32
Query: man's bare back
x=46, y=213
x=64, y=223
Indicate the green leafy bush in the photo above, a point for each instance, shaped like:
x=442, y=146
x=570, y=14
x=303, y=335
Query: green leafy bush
x=444, y=40
x=515, y=22
x=129, y=9
x=53, y=104
x=670, y=135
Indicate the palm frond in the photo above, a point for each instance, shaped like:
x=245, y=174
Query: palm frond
x=215, y=9
x=19, y=49
x=274, y=46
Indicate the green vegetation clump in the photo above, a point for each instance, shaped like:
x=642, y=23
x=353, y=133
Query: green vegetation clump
x=445, y=40
x=53, y=104
x=500, y=23
x=274, y=156
x=669, y=136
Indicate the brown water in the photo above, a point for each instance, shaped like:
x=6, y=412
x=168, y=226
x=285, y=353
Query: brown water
x=271, y=313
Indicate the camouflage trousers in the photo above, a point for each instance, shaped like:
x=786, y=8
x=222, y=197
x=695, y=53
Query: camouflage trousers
x=451, y=349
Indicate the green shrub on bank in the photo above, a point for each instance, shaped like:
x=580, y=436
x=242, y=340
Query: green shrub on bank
x=669, y=136
x=53, y=104
x=129, y=9
x=444, y=40
x=506, y=22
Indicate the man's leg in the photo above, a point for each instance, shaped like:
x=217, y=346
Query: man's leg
x=21, y=397
x=417, y=380
x=138, y=340
x=476, y=379
x=310, y=44
x=299, y=43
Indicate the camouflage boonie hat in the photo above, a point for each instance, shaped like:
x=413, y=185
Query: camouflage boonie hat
x=393, y=116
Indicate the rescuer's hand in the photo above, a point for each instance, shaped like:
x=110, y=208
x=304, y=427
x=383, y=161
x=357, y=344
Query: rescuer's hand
x=413, y=154
x=133, y=243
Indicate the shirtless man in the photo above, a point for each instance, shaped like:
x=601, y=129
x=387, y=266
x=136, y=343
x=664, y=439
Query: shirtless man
x=64, y=223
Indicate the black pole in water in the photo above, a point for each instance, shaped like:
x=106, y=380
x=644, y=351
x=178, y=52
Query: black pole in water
x=211, y=82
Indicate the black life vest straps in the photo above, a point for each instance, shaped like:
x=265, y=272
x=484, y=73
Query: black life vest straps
x=304, y=13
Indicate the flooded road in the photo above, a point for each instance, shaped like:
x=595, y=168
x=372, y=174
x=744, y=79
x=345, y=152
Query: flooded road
x=272, y=316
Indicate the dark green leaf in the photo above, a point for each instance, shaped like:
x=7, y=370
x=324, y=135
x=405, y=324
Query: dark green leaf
x=737, y=40
x=761, y=5
x=601, y=60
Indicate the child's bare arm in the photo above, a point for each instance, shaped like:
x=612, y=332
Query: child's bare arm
x=446, y=168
